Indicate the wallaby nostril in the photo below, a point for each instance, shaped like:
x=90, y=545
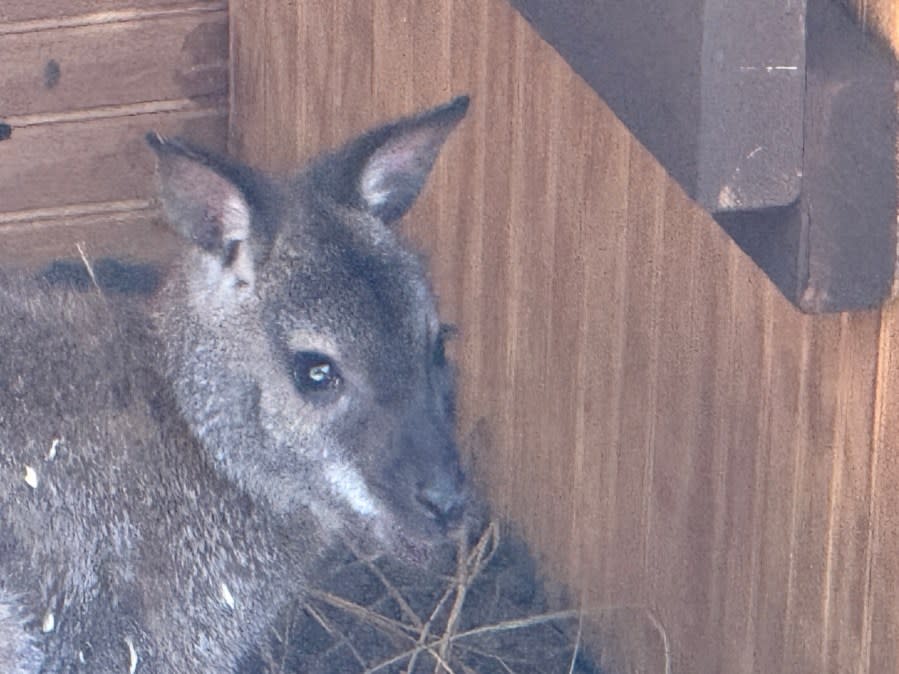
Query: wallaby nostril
x=445, y=505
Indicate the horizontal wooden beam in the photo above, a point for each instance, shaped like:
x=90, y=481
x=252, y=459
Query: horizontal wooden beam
x=778, y=118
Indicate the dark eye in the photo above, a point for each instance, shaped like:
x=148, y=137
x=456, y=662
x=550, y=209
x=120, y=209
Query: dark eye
x=314, y=373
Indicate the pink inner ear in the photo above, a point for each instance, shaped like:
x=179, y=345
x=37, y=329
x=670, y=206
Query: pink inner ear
x=199, y=202
x=198, y=184
x=407, y=153
x=408, y=156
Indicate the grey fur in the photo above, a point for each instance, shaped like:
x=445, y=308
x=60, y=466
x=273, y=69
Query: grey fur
x=168, y=482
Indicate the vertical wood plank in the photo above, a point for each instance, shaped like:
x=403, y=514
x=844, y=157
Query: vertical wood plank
x=878, y=16
x=263, y=129
x=881, y=626
x=687, y=452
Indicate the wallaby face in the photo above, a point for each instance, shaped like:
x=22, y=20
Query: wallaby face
x=331, y=385
x=291, y=389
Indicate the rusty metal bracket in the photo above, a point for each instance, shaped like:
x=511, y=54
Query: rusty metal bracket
x=777, y=116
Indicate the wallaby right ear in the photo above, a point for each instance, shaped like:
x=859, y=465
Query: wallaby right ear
x=201, y=203
x=383, y=171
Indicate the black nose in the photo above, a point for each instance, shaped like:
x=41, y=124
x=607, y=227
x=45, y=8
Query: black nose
x=444, y=500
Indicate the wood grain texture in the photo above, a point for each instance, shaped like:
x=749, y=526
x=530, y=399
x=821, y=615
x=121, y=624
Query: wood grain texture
x=134, y=233
x=60, y=11
x=338, y=72
x=713, y=470
x=83, y=83
x=680, y=444
x=878, y=16
x=114, y=63
x=94, y=161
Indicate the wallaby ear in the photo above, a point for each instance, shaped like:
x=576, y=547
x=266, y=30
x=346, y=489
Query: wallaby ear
x=383, y=171
x=201, y=203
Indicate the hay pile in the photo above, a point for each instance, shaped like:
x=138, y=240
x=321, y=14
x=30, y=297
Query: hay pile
x=478, y=608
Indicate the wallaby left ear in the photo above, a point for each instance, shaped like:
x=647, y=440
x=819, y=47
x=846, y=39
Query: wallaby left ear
x=201, y=202
x=383, y=171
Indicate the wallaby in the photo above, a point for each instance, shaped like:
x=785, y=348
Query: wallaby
x=169, y=479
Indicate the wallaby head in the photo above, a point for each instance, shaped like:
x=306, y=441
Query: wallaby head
x=302, y=336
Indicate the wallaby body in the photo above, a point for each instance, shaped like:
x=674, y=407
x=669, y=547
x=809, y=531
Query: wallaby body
x=167, y=483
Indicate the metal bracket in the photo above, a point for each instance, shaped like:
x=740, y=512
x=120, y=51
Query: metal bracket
x=777, y=116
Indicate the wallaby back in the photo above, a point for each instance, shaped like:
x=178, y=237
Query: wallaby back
x=168, y=482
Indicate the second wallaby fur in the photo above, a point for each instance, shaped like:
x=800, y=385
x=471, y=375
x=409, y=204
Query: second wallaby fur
x=168, y=482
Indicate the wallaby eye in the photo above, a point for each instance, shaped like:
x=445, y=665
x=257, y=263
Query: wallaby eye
x=314, y=373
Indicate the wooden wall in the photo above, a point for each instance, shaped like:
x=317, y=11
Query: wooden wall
x=82, y=81
x=675, y=438
x=878, y=16
x=681, y=445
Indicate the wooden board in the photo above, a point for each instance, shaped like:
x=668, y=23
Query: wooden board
x=878, y=625
x=339, y=72
x=89, y=161
x=705, y=466
x=105, y=64
x=84, y=82
x=880, y=17
x=133, y=232
x=38, y=14
x=712, y=470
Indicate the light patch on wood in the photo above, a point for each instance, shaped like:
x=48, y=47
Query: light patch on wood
x=94, y=114
x=769, y=69
x=72, y=212
x=105, y=18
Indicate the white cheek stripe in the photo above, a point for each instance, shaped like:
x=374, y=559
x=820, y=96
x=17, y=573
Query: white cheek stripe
x=350, y=485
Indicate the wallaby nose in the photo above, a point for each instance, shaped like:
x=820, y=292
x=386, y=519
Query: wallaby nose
x=444, y=499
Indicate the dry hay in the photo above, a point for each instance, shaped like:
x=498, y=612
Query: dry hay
x=478, y=608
